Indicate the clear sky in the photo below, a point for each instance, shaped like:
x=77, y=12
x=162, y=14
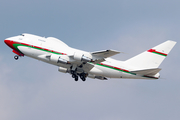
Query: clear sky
x=33, y=90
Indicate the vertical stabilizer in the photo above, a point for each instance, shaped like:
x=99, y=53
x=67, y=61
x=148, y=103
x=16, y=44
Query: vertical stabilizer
x=151, y=58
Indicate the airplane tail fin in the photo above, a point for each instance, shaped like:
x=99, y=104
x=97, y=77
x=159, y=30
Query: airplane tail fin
x=151, y=58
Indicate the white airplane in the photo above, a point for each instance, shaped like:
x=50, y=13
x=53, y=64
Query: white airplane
x=90, y=64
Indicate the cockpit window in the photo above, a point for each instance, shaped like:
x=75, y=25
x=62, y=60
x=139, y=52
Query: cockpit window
x=21, y=34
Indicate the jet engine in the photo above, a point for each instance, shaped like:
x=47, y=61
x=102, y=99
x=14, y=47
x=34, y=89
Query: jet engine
x=59, y=59
x=82, y=57
x=61, y=69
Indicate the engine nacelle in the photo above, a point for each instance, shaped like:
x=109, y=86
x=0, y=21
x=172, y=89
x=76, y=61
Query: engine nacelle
x=61, y=69
x=81, y=57
x=86, y=59
x=97, y=77
x=59, y=59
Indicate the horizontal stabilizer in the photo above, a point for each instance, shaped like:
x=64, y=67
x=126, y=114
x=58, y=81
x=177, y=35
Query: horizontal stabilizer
x=147, y=71
x=105, y=53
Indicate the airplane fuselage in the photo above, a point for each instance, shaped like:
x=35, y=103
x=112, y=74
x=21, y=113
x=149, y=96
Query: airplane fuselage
x=56, y=52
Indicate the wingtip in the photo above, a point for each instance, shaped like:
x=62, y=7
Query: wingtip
x=172, y=41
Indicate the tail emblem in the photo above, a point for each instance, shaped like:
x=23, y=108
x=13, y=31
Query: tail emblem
x=156, y=52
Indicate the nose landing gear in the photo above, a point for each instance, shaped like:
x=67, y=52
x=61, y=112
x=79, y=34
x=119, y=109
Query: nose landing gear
x=16, y=57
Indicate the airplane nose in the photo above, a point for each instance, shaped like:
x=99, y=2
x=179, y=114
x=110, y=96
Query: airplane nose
x=6, y=41
x=9, y=43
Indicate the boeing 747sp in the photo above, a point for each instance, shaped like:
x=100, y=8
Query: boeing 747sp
x=84, y=64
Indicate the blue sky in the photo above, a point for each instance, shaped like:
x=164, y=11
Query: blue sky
x=31, y=89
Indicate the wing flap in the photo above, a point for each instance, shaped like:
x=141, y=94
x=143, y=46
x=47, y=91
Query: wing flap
x=147, y=71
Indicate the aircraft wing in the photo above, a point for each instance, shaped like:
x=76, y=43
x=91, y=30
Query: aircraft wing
x=105, y=53
x=100, y=56
x=87, y=67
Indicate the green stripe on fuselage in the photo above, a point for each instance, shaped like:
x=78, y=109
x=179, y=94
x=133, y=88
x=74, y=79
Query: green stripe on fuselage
x=16, y=46
x=116, y=69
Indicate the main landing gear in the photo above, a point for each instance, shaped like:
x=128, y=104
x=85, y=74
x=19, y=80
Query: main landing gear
x=16, y=57
x=83, y=76
x=75, y=76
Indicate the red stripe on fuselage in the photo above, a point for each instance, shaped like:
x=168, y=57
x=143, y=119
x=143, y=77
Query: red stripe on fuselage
x=114, y=67
x=17, y=52
x=10, y=44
